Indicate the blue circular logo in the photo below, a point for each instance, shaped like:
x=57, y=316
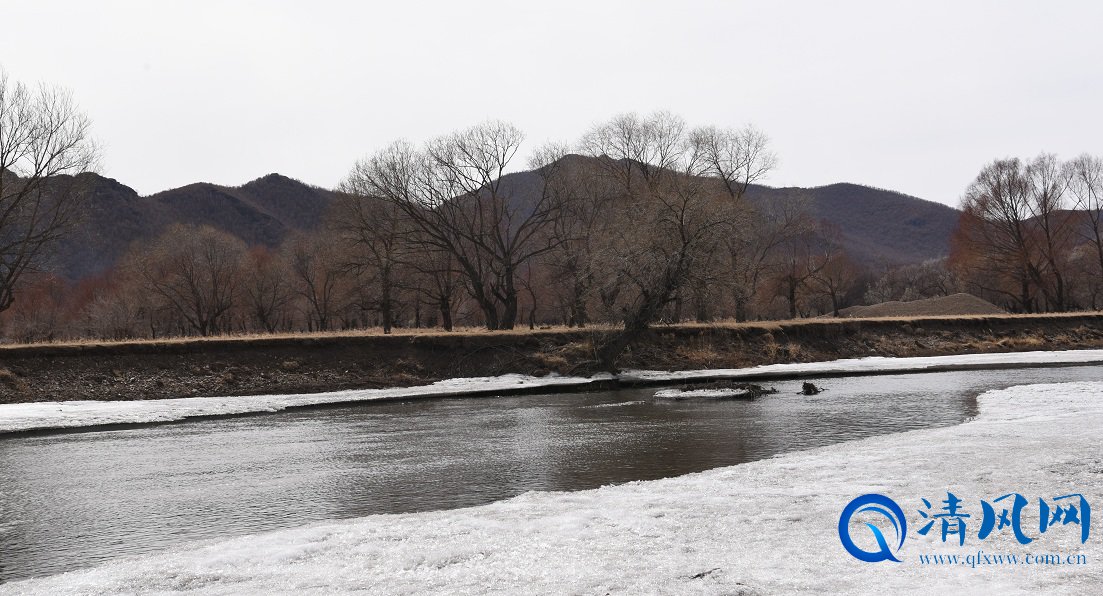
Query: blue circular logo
x=881, y=505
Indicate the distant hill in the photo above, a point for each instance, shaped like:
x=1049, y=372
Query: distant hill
x=878, y=227
x=261, y=212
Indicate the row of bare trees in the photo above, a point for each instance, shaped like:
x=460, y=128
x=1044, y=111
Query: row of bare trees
x=643, y=219
x=642, y=216
x=1031, y=234
x=200, y=281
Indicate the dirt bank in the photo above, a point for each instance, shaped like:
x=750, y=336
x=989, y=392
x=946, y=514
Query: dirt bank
x=144, y=370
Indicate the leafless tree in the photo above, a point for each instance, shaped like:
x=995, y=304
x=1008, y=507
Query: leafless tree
x=737, y=157
x=455, y=193
x=1015, y=233
x=993, y=238
x=755, y=246
x=1048, y=181
x=913, y=282
x=803, y=257
x=379, y=237
x=1085, y=177
x=122, y=311
x=44, y=142
x=196, y=271
x=669, y=215
x=436, y=278
x=267, y=289
x=584, y=200
x=320, y=278
x=836, y=279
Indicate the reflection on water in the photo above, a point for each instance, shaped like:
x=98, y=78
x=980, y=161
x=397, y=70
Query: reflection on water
x=69, y=501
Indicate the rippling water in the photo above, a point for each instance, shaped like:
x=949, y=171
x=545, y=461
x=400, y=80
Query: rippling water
x=73, y=500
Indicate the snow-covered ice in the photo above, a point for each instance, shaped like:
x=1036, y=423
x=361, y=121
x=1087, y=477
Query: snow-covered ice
x=698, y=393
x=764, y=527
x=879, y=364
x=75, y=414
x=81, y=413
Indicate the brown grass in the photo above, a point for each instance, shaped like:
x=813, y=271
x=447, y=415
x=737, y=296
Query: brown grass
x=547, y=331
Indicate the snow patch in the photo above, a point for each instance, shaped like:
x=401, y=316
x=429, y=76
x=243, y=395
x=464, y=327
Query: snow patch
x=74, y=414
x=700, y=393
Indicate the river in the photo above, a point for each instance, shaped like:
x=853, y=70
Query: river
x=72, y=500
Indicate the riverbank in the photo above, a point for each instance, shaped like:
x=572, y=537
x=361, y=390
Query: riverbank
x=71, y=415
x=321, y=363
x=764, y=527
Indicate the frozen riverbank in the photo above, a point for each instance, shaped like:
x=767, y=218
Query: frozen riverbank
x=763, y=527
x=312, y=363
x=83, y=414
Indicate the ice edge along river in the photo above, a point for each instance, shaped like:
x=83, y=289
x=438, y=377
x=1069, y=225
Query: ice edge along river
x=763, y=527
x=37, y=416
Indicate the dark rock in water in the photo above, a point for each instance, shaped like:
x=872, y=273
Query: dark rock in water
x=809, y=389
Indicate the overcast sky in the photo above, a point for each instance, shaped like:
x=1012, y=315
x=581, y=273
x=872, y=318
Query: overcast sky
x=913, y=96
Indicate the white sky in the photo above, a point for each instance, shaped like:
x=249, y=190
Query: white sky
x=912, y=96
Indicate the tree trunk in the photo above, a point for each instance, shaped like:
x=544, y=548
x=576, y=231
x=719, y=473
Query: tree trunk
x=579, y=316
x=509, y=302
x=386, y=302
x=446, y=313
x=509, y=313
x=740, y=307
x=792, y=296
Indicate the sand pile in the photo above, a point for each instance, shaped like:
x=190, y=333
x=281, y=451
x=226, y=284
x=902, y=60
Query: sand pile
x=957, y=304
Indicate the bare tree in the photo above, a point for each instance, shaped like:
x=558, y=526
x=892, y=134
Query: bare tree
x=379, y=235
x=993, y=240
x=669, y=215
x=196, y=271
x=1016, y=233
x=913, y=282
x=320, y=276
x=584, y=199
x=1048, y=181
x=803, y=258
x=123, y=309
x=43, y=138
x=756, y=244
x=737, y=158
x=435, y=278
x=836, y=279
x=267, y=289
x=455, y=193
x=1085, y=176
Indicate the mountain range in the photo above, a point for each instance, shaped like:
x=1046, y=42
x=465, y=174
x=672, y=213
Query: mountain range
x=260, y=212
x=877, y=227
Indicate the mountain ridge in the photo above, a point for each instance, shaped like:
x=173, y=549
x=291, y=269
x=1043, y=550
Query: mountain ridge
x=262, y=211
x=879, y=227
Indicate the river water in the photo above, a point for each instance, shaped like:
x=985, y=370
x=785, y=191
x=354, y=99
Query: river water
x=73, y=500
